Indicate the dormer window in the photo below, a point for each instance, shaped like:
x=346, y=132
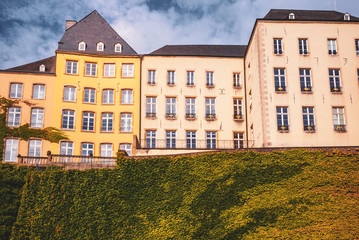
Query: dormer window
x=42, y=68
x=292, y=16
x=82, y=46
x=118, y=47
x=347, y=17
x=100, y=46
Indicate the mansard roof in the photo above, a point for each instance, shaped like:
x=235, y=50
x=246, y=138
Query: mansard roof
x=93, y=29
x=34, y=67
x=307, y=15
x=201, y=50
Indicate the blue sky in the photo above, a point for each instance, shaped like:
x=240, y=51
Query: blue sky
x=30, y=29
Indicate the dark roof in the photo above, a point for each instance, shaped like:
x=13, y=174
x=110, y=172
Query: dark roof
x=201, y=50
x=307, y=15
x=93, y=29
x=50, y=66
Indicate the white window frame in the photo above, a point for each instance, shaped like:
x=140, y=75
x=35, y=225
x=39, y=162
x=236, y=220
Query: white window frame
x=277, y=46
x=280, y=78
x=107, y=122
x=211, y=139
x=303, y=46
x=109, y=69
x=37, y=118
x=69, y=94
x=82, y=46
x=11, y=150
x=66, y=148
x=171, y=77
x=332, y=47
x=118, y=47
x=151, y=77
x=14, y=117
x=170, y=139
x=126, y=122
x=16, y=90
x=334, y=77
x=210, y=79
x=126, y=147
x=126, y=96
x=357, y=47
x=128, y=70
x=190, y=78
x=308, y=118
x=100, y=47
x=238, y=140
x=237, y=108
x=151, y=136
x=108, y=96
x=35, y=148
x=236, y=80
x=88, y=121
x=191, y=139
x=87, y=149
x=71, y=67
x=210, y=107
x=339, y=117
x=38, y=91
x=89, y=95
x=190, y=107
x=106, y=150
x=90, y=69
x=151, y=106
x=68, y=116
x=171, y=107
x=282, y=114
x=305, y=78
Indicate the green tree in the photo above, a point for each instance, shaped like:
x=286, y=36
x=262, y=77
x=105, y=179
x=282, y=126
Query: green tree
x=23, y=132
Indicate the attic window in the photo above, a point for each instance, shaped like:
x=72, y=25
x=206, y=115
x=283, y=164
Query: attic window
x=42, y=68
x=347, y=17
x=118, y=47
x=100, y=46
x=82, y=46
x=291, y=16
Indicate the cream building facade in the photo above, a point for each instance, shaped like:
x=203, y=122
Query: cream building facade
x=302, y=79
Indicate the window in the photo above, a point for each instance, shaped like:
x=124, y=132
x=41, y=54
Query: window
x=108, y=96
x=91, y=69
x=170, y=139
x=236, y=80
x=332, y=46
x=237, y=109
x=118, y=47
x=126, y=96
x=358, y=74
x=238, y=140
x=151, y=76
x=127, y=70
x=68, y=119
x=42, y=68
x=38, y=91
x=35, y=148
x=107, y=122
x=11, y=150
x=70, y=94
x=150, y=139
x=190, y=108
x=16, y=90
x=303, y=46
x=66, y=148
x=347, y=17
x=282, y=119
x=82, y=46
x=71, y=67
x=339, y=119
x=278, y=47
x=126, y=147
x=106, y=150
x=171, y=107
x=305, y=80
x=109, y=70
x=334, y=80
x=151, y=106
x=87, y=149
x=88, y=121
x=191, y=139
x=13, y=118
x=170, y=77
x=211, y=140
x=37, y=117
x=291, y=16
x=250, y=100
x=210, y=108
x=210, y=79
x=190, y=78
x=308, y=118
x=126, y=122
x=89, y=95
x=279, y=80
x=357, y=47
x=100, y=47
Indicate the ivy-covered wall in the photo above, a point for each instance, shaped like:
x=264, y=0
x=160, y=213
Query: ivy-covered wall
x=295, y=194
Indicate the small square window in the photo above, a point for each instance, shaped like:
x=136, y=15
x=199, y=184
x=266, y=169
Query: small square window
x=71, y=67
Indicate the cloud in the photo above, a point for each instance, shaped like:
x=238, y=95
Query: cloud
x=30, y=29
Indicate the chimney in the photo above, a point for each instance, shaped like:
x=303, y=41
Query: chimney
x=70, y=23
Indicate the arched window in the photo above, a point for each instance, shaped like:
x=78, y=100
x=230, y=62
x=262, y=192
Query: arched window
x=347, y=17
x=42, y=68
x=291, y=16
x=82, y=46
x=118, y=47
x=100, y=46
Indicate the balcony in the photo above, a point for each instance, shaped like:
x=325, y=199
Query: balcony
x=309, y=128
x=280, y=89
x=340, y=128
x=150, y=115
x=238, y=117
x=171, y=115
x=193, y=144
x=307, y=89
x=336, y=89
x=210, y=116
x=190, y=116
x=283, y=128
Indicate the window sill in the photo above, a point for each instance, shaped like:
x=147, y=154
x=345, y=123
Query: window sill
x=304, y=54
x=171, y=85
x=309, y=131
x=127, y=132
x=211, y=119
x=151, y=84
x=339, y=93
x=72, y=74
x=281, y=92
x=126, y=103
x=307, y=92
x=105, y=104
x=71, y=130
x=69, y=101
x=88, y=131
x=168, y=118
x=89, y=103
x=237, y=87
x=210, y=86
x=151, y=118
x=91, y=76
x=283, y=131
x=191, y=86
x=107, y=132
x=239, y=119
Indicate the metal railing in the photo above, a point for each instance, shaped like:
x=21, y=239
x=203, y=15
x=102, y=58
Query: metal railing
x=191, y=144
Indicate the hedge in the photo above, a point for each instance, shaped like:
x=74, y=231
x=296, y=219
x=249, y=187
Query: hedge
x=239, y=195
